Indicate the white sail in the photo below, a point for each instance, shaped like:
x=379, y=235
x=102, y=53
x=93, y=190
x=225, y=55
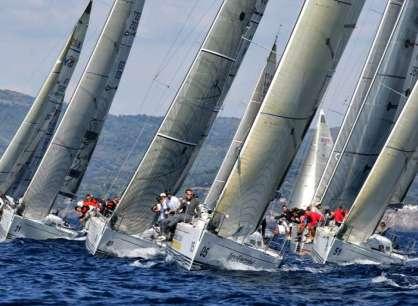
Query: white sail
x=38, y=120
x=311, y=55
x=314, y=165
x=88, y=107
x=28, y=170
x=191, y=114
x=406, y=180
x=373, y=198
x=374, y=106
x=243, y=129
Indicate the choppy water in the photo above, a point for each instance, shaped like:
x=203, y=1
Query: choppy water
x=61, y=272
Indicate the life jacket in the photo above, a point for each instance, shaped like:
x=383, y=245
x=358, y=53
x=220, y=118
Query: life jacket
x=339, y=215
x=92, y=203
x=316, y=217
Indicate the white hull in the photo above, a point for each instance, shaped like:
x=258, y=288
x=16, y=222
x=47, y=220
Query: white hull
x=193, y=247
x=327, y=248
x=103, y=240
x=14, y=226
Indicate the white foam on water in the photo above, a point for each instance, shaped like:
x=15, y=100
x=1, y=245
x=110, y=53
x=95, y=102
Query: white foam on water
x=143, y=264
x=360, y=262
x=145, y=253
x=303, y=268
x=384, y=279
x=237, y=266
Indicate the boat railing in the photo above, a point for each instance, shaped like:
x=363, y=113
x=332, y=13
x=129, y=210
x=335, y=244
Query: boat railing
x=279, y=246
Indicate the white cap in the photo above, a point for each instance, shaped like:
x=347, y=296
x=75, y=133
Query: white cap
x=163, y=194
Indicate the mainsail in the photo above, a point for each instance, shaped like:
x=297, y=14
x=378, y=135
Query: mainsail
x=191, y=114
x=243, y=129
x=310, y=58
x=313, y=166
x=373, y=198
x=88, y=108
x=374, y=106
x=40, y=118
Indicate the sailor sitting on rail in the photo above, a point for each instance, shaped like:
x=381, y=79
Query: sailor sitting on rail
x=189, y=209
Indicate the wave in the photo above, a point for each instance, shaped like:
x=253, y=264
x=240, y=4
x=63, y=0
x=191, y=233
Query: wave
x=384, y=279
x=360, y=262
x=144, y=253
x=143, y=264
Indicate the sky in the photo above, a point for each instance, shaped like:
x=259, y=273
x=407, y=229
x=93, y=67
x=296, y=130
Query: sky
x=32, y=32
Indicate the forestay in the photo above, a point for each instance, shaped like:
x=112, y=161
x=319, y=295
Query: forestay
x=191, y=114
x=373, y=198
x=243, y=129
x=311, y=55
x=313, y=166
x=40, y=118
x=374, y=107
x=82, y=122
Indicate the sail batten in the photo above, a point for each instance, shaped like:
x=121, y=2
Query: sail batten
x=311, y=55
x=43, y=116
x=191, y=114
x=72, y=146
x=374, y=107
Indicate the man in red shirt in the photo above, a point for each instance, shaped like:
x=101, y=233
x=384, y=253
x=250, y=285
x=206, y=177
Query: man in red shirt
x=339, y=216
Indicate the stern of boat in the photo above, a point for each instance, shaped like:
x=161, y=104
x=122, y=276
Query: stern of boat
x=103, y=240
x=95, y=231
x=185, y=242
x=322, y=244
x=6, y=222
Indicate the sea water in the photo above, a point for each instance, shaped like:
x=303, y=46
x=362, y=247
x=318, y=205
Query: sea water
x=63, y=273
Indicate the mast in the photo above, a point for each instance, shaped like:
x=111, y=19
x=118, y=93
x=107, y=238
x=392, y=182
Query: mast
x=305, y=69
x=191, y=114
x=41, y=114
x=373, y=198
x=374, y=107
x=243, y=129
x=88, y=107
x=313, y=166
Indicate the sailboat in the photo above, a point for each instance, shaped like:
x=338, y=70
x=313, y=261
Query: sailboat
x=227, y=239
x=33, y=135
x=356, y=239
x=23, y=155
x=313, y=166
x=377, y=101
x=181, y=134
x=308, y=179
x=361, y=139
x=77, y=134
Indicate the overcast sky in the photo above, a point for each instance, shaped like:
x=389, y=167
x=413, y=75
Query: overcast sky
x=33, y=31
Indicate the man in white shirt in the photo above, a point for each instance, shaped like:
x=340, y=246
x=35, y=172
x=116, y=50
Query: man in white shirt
x=172, y=203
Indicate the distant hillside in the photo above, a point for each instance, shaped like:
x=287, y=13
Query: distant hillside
x=124, y=141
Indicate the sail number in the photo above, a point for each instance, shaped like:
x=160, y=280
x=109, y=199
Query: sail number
x=204, y=251
x=337, y=252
